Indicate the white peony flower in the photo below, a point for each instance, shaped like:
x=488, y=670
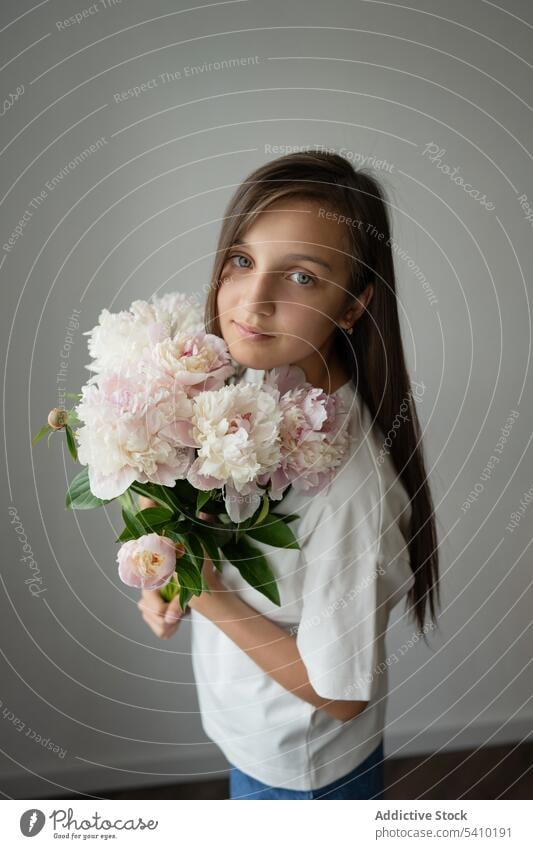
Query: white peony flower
x=120, y=339
x=178, y=312
x=236, y=429
x=133, y=430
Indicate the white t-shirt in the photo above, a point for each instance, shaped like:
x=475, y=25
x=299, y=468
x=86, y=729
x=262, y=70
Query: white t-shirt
x=336, y=594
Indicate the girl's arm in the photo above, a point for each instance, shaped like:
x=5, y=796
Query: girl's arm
x=267, y=644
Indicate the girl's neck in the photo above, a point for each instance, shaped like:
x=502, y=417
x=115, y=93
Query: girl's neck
x=328, y=375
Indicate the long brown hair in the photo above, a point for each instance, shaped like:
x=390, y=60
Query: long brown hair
x=375, y=350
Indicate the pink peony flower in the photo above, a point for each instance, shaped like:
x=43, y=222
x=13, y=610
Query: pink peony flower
x=148, y=562
x=314, y=438
x=192, y=362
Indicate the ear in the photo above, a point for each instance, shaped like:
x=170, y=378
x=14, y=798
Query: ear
x=368, y=292
x=360, y=303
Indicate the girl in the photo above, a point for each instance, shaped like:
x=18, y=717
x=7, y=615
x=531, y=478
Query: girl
x=295, y=695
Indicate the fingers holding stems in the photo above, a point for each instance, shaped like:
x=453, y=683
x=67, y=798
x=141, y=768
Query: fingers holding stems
x=162, y=617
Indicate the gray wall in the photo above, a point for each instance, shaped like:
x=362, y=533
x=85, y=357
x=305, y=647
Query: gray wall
x=141, y=214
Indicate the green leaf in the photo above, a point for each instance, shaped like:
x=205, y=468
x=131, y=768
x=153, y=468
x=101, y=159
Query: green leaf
x=189, y=576
x=202, y=497
x=71, y=442
x=258, y=516
x=125, y=536
x=126, y=499
x=154, y=517
x=135, y=527
x=189, y=572
x=253, y=567
x=274, y=532
x=211, y=547
x=175, y=536
x=79, y=495
x=73, y=417
x=161, y=494
x=289, y=517
x=184, y=493
x=43, y=431
x=192, y=544
x=185, y=597
x=214, y=504
x=186, y=580
x=220, y=536
x=180, y=526
x=196, y=552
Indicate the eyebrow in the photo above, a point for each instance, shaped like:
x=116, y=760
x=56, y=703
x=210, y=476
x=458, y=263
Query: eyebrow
x=309, y=257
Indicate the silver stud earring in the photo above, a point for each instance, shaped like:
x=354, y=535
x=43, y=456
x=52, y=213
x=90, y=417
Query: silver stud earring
x=347, y=328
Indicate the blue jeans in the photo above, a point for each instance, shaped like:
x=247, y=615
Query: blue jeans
x=366, y=781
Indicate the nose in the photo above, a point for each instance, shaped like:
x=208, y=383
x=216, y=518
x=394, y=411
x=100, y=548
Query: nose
x=259, y=291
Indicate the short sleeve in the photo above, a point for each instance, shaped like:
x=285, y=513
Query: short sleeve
x=342, y=618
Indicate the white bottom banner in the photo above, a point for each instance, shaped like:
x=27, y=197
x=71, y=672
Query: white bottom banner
x=148, y=822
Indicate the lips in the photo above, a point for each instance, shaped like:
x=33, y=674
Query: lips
x=252, y=331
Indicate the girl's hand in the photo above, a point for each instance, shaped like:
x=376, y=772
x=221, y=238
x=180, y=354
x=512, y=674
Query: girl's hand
x=163, y=617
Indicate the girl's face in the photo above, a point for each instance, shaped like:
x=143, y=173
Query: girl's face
x=288, y=277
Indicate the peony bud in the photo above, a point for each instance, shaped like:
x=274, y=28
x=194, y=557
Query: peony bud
x=57, y=418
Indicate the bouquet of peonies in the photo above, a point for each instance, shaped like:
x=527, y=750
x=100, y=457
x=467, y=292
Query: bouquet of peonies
x=161, y=418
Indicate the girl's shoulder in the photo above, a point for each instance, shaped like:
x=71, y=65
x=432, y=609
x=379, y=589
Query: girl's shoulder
x=360, y=524
x=365, y=489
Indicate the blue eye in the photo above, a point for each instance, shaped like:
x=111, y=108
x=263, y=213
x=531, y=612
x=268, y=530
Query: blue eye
x=310, y=279
x=302, y=283
x=239, y=256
